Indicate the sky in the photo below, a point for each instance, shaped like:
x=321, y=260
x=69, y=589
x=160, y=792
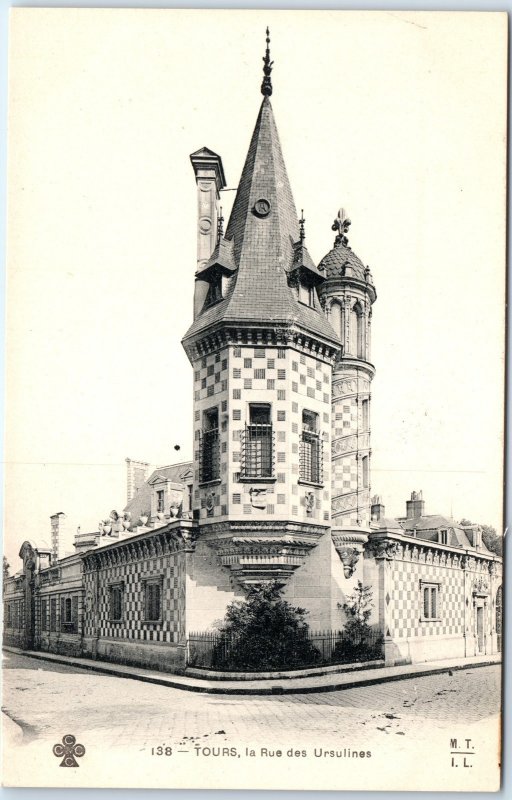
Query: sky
x=397, y=117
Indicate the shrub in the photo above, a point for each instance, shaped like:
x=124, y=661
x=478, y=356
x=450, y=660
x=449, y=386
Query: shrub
x=264, y=632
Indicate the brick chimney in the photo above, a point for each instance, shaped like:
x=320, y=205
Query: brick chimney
x=415, y=506
x=378, y=510
x=58, y=532
x=136, y=475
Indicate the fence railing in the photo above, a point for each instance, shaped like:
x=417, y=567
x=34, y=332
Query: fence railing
x=215, y=650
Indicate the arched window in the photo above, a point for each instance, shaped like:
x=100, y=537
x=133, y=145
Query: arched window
x=366, y=472
x=356, y=344
x=337, y=320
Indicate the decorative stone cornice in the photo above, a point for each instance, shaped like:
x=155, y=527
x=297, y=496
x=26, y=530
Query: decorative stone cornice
x=395, y=546
x=178, y=537
x=260, y=335
x=258, y=559
x=258, y=527
x=349, y=544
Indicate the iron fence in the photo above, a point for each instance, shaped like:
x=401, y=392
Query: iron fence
x=219, y=651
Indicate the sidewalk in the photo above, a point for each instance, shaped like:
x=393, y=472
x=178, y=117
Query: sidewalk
x=327, y=682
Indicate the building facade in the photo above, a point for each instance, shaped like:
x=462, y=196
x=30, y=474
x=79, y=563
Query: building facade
x=280, y=483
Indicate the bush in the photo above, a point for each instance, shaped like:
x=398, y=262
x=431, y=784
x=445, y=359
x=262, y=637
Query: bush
x=264, y=632
x=359, y=643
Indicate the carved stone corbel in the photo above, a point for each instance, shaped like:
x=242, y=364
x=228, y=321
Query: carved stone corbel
x=349, y=545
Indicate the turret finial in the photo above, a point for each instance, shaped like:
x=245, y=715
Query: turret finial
x=341, y=224
x=220, y=226
x=302, y=232
x=266, y=86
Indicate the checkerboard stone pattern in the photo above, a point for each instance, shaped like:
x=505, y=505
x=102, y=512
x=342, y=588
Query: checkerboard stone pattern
x=291, y=382
x=350, y=448
x=404, y=599
x=132, y=575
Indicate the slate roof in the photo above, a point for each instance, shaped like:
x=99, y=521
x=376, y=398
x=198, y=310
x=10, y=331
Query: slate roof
x=222, y=256
x=263, y=245
x=302, y=260
x=142, y=500
x=428, y=526
x=337, y=258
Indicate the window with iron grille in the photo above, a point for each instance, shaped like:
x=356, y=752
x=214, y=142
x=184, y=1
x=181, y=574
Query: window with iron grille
x=258, y=443
x=116, y=602
x=152, y=600
x=310, y=459
x=209, y=452
x=160, y=502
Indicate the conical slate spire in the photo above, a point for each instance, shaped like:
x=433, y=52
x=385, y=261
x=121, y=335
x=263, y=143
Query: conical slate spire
x=264, y=178
x=264, y=227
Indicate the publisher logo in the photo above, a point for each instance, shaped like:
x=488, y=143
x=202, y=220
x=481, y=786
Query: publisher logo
x=68, y=750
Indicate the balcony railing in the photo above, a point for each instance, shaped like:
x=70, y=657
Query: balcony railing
x=257, y=451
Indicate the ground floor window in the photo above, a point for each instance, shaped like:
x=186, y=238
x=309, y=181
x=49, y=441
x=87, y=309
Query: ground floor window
x=116, y=601
x=69, y=613
x=153, y=600
x=430, y=600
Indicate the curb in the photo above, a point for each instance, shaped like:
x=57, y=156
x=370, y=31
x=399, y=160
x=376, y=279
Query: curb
x=195, y=685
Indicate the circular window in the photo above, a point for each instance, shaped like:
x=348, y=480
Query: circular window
x=262, y=208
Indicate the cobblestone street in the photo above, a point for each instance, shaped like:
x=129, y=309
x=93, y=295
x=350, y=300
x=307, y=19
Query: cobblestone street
x=138, y=734
x=46, y=698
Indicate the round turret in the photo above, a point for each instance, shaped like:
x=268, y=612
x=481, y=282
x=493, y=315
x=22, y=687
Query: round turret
x=347, y=296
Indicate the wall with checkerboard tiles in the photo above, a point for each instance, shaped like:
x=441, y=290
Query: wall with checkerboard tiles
x=350, y=445
x=398, y=584
x=290, y=381
x=132, y=574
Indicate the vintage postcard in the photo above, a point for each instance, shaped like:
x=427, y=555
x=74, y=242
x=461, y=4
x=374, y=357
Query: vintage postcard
x=255, y=399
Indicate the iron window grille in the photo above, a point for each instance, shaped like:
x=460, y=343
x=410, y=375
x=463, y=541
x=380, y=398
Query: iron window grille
x=257, y=451
x=209, y=456
x=311, y=457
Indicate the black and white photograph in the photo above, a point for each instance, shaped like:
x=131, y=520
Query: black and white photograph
x=255, y=381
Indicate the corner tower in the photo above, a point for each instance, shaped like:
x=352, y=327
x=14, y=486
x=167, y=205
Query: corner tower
x=262, y=351
x=347, y=295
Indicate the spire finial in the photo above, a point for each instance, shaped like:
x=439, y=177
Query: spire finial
x=302, y=233
x=220, y=227
x=266, y=86
x=341, y=224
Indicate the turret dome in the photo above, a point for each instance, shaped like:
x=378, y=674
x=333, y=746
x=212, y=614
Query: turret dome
x=342, y=261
